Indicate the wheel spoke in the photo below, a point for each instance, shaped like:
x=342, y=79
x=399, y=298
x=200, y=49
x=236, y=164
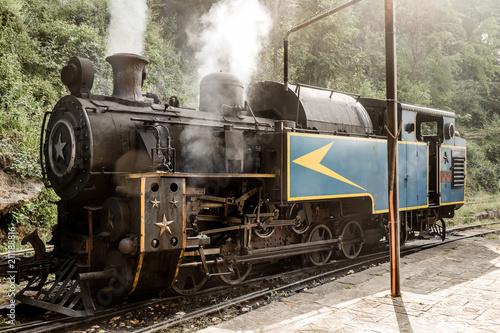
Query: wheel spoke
x=260, y=231
x=298, y=212
x=318, y=233
x=352, y=237
x=189, y=281
x=239, y=273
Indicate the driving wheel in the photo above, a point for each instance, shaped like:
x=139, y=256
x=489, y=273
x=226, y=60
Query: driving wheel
x=234, y=274
x=352, y=239
x=318, y=232
x=298, y=213
x=263, y=231
x=189, y=281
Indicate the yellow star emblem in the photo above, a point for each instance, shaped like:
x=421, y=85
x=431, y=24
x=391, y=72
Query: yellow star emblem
x=164, y=225
x=174, y=203
x=155, y=203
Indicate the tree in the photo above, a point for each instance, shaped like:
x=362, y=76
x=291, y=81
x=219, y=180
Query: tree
x=37, y=38
x=478, y=79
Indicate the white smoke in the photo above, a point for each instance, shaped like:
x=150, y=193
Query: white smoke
x=232, y=37
x=127, y=26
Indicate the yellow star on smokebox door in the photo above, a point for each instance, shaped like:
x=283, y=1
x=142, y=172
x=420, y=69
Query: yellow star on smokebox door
x=164, y=225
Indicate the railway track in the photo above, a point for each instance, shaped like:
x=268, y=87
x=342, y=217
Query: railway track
x=284, y=283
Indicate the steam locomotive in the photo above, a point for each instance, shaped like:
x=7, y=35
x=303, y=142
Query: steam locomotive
x=156, y=196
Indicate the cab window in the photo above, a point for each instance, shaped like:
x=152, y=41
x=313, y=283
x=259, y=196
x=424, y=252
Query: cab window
x=429, y=128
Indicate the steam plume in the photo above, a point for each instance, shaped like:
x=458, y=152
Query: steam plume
x=127, y=26
x=232, y=37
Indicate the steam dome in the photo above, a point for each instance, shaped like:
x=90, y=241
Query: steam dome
x=219, y=89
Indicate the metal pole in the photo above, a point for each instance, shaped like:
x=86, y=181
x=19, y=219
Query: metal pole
x=392, y=143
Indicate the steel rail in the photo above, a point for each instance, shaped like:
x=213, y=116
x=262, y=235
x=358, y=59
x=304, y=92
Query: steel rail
x=298, y=285
x=65, y=323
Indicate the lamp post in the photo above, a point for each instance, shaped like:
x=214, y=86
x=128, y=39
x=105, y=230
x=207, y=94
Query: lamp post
x=392, y=143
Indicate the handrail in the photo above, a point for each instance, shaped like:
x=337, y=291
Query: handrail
x=328, y=89
x=44, y=172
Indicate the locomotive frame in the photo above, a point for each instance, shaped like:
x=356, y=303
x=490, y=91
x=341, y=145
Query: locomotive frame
x=156, y=196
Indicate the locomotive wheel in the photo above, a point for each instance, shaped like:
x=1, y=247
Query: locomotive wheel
x=352, y=239
x=189, y=281
x=318, y=232
x=238, y=274
x=298, y=212
x=403, y=233
x=264, y=232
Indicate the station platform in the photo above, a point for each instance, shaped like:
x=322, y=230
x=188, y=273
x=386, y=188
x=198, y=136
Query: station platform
x=451, y=288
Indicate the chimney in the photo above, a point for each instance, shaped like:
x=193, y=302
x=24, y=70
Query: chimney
x=129, y=72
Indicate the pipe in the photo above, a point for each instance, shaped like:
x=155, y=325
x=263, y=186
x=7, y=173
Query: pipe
x=106, y=274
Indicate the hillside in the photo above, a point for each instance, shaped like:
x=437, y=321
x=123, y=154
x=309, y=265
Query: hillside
x=14, y=193
x=447, y=53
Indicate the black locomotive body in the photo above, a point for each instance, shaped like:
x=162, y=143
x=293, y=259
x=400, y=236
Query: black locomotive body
x=156, y=196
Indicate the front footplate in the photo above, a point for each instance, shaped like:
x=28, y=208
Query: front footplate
x=66, y=293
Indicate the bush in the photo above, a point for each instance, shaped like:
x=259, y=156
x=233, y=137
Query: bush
x=36, y=40
x=41, y=214
x=483, y=174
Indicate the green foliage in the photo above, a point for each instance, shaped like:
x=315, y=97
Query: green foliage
x=414, y=92
x=483, y=157
x=168, y=73
x=491, y=140
x=41, y=212
x=318, y=52
x=447, y=55
x=36, y=40
x=447, y=51
x=483, y=175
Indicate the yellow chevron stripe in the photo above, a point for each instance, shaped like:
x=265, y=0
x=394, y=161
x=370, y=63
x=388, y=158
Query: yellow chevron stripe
x=313, y=161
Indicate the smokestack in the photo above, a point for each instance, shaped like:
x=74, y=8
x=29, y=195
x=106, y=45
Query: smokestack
x=129, y=72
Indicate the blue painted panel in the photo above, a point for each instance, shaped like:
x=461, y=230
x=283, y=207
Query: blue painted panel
x=323, y=167
x=403, y=175
x=450, y=194
x=408, y=118
x=413, y=179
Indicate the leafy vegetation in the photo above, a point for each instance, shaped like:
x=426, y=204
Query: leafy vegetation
x=41, y=214
x=483, y=159
x=476, y=203
x=447, y=52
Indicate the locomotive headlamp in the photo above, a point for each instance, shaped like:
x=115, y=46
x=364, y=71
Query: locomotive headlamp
x=78, y=76
x=449, y=131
